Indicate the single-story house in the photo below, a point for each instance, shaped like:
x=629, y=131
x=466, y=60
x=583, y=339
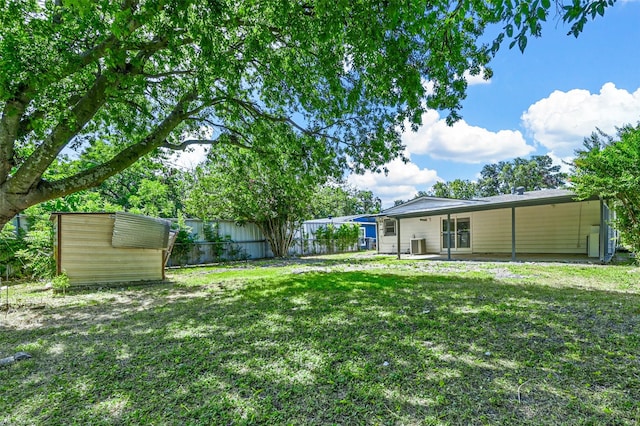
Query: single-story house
x=548, y=221
x=96, y=248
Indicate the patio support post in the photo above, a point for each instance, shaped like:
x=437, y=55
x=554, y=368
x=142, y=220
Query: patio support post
x=513, y=234
x=448, y=236
x=603, y=233
x=398, y=236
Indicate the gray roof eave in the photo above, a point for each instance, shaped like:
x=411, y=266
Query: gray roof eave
x=490, y=206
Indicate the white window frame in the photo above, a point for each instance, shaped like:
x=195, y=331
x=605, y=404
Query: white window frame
x=386, y=228
x=455, y=234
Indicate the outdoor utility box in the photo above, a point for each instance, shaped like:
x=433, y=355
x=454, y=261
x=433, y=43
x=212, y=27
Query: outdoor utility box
x=418, y=246
x=97, y=248
x=594, y=241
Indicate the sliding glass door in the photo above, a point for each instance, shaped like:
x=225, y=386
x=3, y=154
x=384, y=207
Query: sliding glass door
x=456, y=234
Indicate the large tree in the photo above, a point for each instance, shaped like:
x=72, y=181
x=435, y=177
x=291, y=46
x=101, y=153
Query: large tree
x=245, y=185
x=537, y=172
x=458, y=188
x=143, y=74
x=610, y=168
x=343, y=200
x=151, y=186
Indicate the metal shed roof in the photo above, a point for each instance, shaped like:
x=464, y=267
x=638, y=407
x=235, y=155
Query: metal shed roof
x=137, y=231
x=133, y=230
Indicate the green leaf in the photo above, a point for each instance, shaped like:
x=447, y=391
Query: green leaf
x=522, y=43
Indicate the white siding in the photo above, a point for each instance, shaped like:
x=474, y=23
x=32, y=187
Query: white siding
x=386, y=244
x=491, y=231
x=555, y=228
x=87, y=256
x=426, y=227
x=560, y=228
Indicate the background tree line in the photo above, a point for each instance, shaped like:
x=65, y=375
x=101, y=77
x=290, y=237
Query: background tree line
x=276, y=189
x=537, y=172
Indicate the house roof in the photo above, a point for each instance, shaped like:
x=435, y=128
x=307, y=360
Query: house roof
x=424, y=204
x=428, y=206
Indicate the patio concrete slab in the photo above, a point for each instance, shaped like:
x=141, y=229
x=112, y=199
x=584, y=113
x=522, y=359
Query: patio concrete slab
x=506, y=257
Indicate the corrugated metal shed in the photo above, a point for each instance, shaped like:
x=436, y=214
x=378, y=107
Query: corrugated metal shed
x=136, y=231
x=84, y=250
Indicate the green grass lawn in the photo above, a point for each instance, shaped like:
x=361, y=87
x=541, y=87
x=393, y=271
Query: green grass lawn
x=333, y=340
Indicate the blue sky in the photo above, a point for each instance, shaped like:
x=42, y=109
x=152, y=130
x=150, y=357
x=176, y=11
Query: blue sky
x=544, y=101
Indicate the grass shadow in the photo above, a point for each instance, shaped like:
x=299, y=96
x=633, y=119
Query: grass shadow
x=356, y=347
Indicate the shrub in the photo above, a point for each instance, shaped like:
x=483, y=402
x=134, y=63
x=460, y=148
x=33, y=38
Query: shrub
x=340, y=238
x=11, y=241
x=28, y=254
x=60, y=283
x=37, y=254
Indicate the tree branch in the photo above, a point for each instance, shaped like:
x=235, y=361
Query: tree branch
x=98, y=174
x=96, y=52
x=79, y=115
x=168, y=74
x=32, y=169
x=228, y=138
x=185, y=144
x=252, y=109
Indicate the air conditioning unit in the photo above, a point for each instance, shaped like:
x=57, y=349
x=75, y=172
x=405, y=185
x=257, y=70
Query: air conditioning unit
x=418, y=246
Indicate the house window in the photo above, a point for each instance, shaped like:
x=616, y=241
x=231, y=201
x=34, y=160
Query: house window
x=389, y=227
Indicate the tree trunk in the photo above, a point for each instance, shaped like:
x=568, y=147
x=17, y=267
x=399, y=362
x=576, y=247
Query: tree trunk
x=279, y=235
x=11, y=204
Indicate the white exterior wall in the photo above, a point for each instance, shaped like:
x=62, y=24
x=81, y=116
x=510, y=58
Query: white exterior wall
x=555, y=229
x=386, y=243
x=410, y=228
x=560, y=228
x=491, y=230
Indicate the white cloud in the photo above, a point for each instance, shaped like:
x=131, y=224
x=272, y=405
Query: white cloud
x=561, y=121
x=563, y=162
x=464, y=143
x=473, y=80
x=190, y=157
x=401, y=183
